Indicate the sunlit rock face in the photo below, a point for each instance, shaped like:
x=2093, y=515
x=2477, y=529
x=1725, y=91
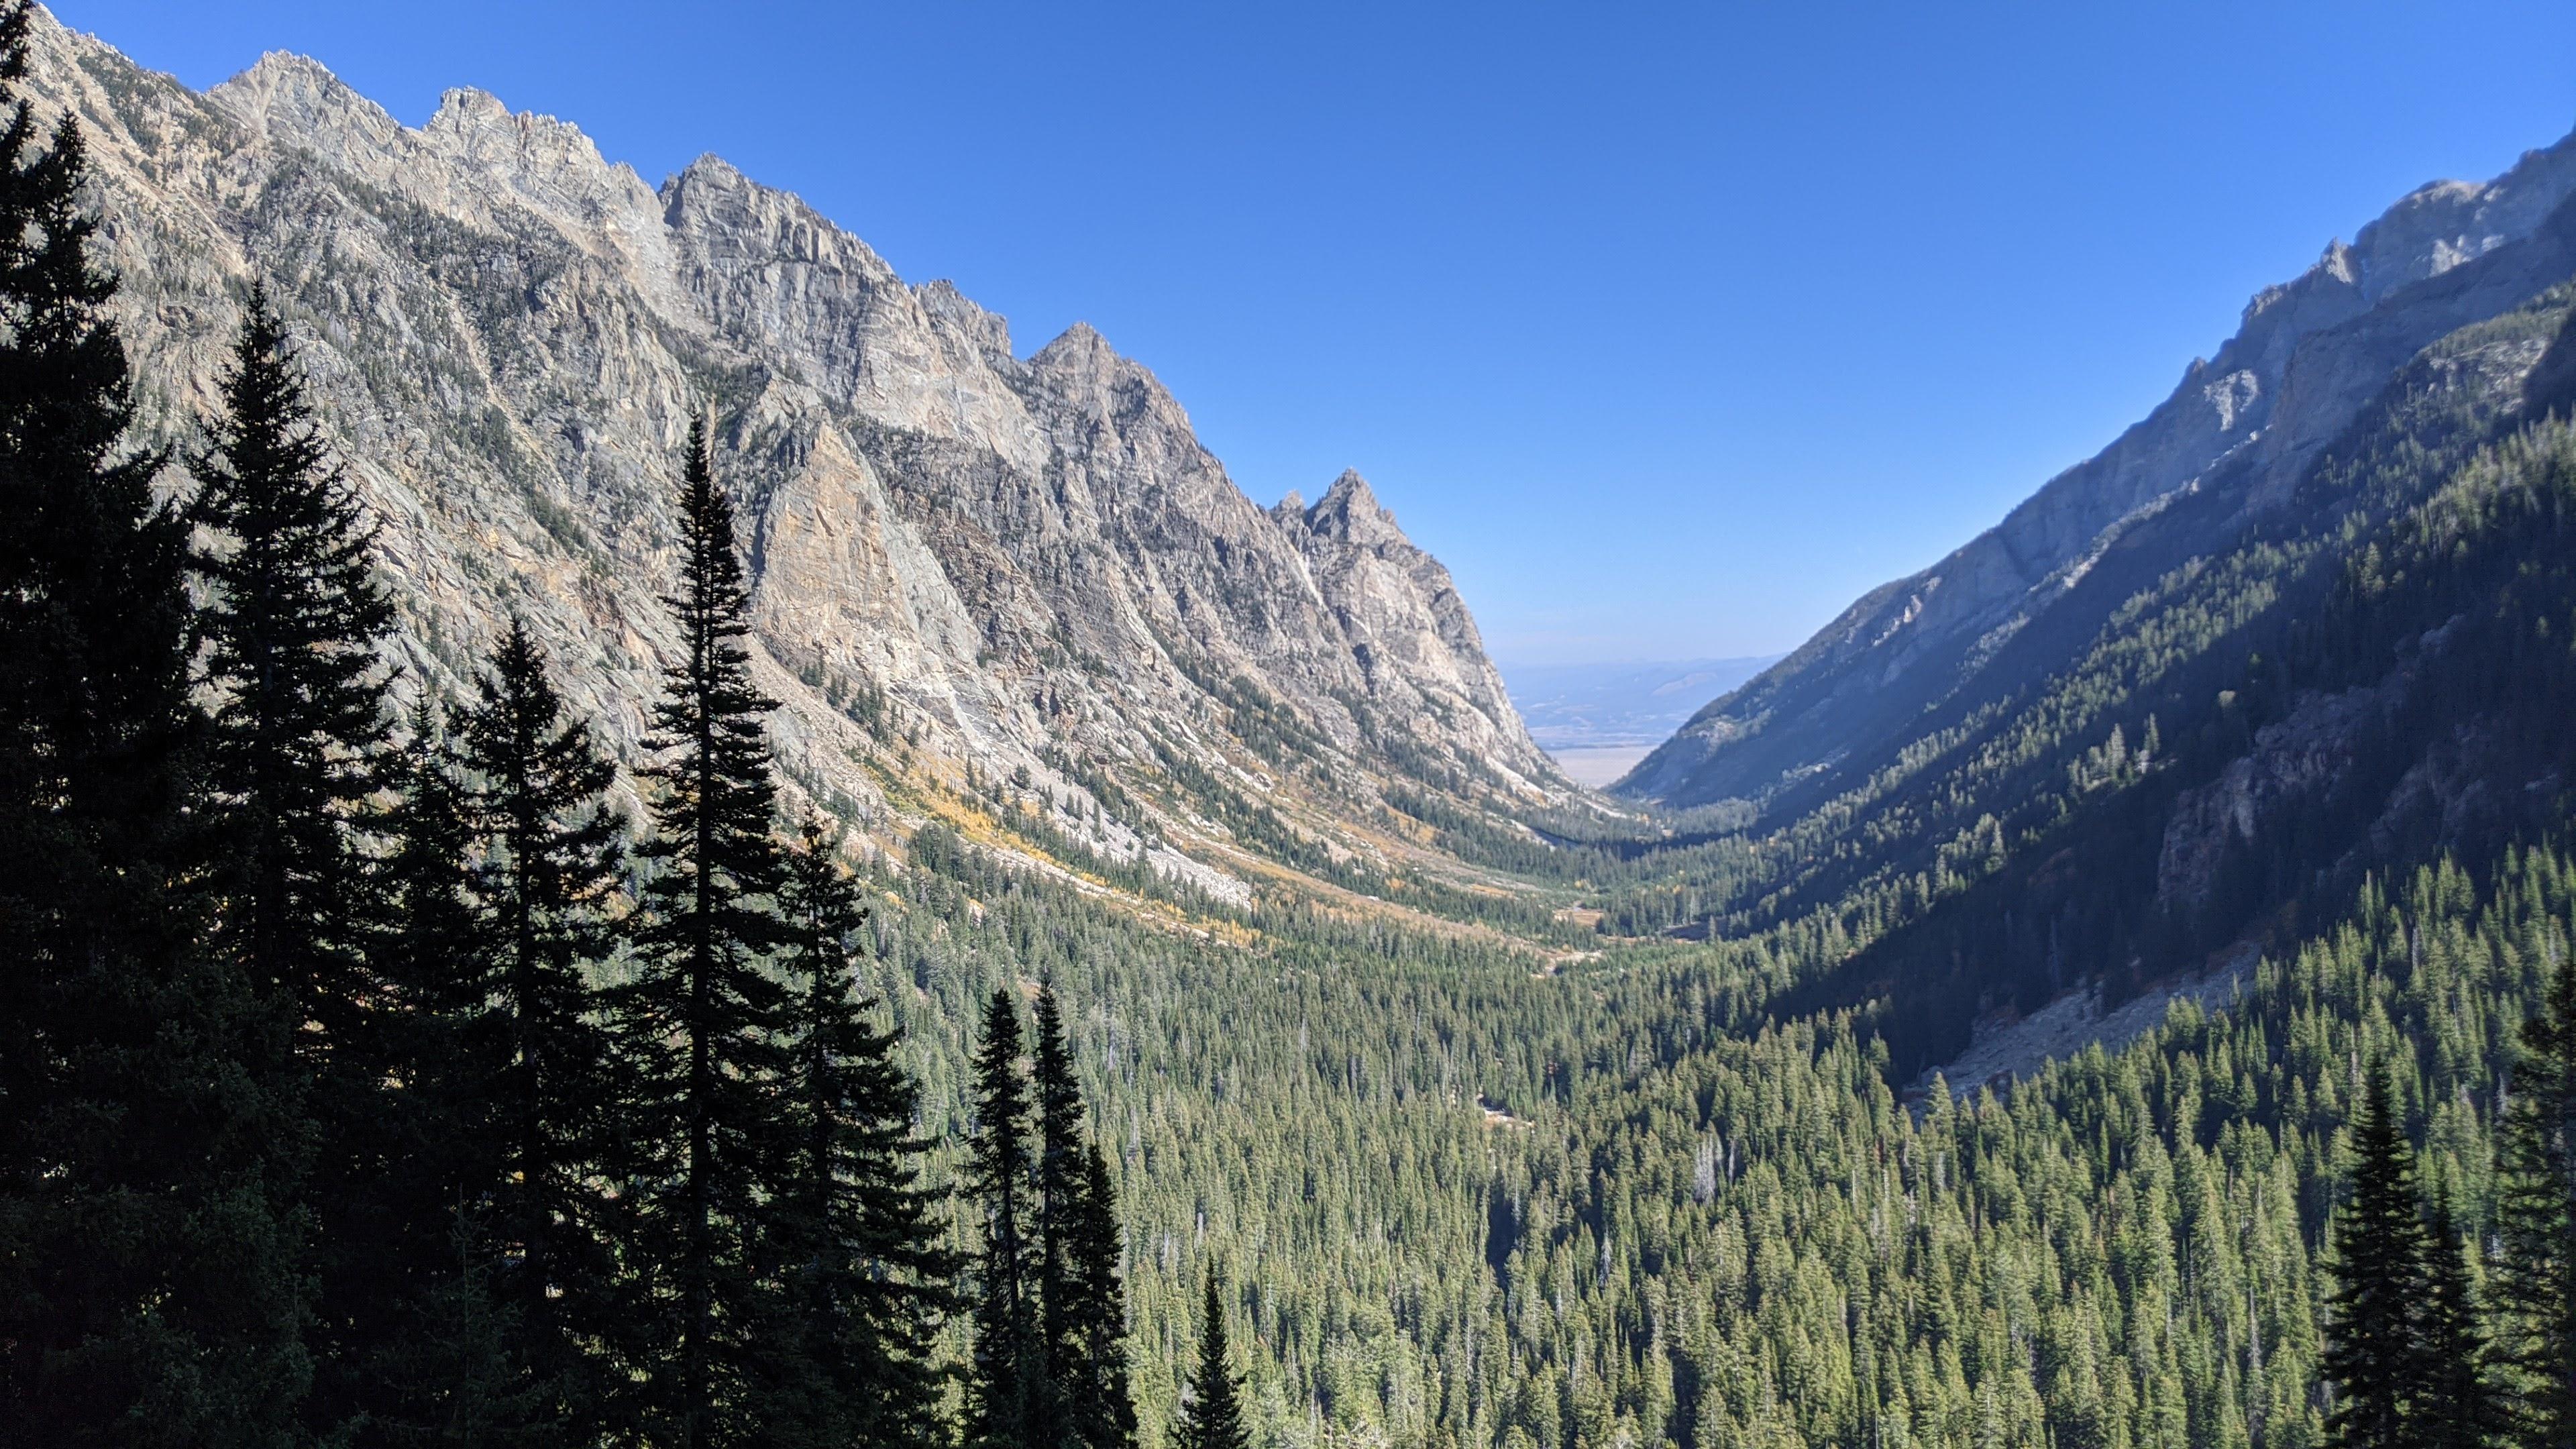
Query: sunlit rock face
x=961, y=557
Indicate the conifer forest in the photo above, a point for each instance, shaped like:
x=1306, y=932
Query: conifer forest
x=397, y=1051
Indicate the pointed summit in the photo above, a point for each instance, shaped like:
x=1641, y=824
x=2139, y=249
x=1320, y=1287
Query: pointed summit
x=1349, y=511
x=1352, y=489
x=461, y=104
x=710, y=169
x=1079, y=347
x=286, y=93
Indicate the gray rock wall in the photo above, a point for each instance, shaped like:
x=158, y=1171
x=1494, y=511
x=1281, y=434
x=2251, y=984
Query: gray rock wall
x=1031, y=564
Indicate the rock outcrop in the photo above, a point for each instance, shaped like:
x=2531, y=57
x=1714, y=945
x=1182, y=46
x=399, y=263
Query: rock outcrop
x=964, y=562
x=2308, y=357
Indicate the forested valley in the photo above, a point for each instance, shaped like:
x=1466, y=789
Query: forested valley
x=382, y=1065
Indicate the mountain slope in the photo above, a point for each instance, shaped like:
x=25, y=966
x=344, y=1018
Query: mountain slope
x=2227, y=723
x=969, y=568
x=2243, y=426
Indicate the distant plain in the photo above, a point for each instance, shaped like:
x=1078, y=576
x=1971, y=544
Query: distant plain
x=1598, y=720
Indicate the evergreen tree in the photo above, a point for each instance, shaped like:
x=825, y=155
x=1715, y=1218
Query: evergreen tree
x=1102, y=1405
x=290, y=623
x=552, y=859
x=1082, y=1300
x=2373, y=1355
x=425, y=955
x=863, y=1277
x=431, y=1366
x=700, y=1022
x=2454, y=1405
x=2535, y=1281
x=1005, y=1389
x=1212, y=1418
x=1059, y=1205
x=149, y=1288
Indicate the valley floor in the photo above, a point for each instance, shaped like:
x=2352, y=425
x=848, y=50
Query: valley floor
x=1597, y=765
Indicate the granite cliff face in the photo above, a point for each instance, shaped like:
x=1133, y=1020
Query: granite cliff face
x=1029, y=569
x=2247, y=423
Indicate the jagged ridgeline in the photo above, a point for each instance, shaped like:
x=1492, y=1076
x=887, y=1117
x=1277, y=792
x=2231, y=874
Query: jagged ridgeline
x=2235, y=438
x=2149, y=756
x=962, y=560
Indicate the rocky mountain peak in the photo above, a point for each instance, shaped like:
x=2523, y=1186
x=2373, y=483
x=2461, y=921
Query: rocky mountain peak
x=465, y=107
x=709, y=170
x=549, y=164
x=988, y=333
x=283, y=92
x=713, y=203
x=1350, y=513
x=2442, y=224
x=1034, y=569
x=1081, y=372
x=1079, y=350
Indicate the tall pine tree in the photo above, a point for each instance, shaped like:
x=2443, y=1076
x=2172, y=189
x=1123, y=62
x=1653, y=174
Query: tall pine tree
x=1006, y=1381
x=545, y=883
x=2372, y=1357
x=863, y=1278
x=435, y=1367
x=700, y=1022
x=1059, y=1206
x=290, y=624
x=1096, y=1381
x=149, y=1286
x=1082, y=1302
x=2535, y=1280
x=2455, y=1405
x=1212, y=1416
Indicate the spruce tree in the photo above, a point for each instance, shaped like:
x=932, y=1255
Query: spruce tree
x=449, y=1368
x=290, y=624
x=149, y=1286
x=2454, y=1404
x=2373, y=1355
x=425, y=955
x=428, y=1126
x=551, y=861
x=1082, y=1300
x=2535, y=1279
x=1101, y=1402
x=1005, y=1389
x=699, y=1023
x=1212, y=1417
x=1059, y=1205
x=852, y=1238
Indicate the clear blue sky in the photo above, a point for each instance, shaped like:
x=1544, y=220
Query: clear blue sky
x=1670, y=329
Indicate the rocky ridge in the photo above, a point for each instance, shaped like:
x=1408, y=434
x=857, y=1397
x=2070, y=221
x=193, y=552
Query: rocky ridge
x=2308, y=356
x=1006, y=591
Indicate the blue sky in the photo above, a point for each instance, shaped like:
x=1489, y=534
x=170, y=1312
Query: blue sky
x=1670, y=329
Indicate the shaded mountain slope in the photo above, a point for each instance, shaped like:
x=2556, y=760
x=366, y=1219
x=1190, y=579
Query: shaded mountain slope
x=2245, y=425
x=2356, y=681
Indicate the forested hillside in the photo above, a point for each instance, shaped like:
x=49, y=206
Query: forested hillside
x=470, y=1046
